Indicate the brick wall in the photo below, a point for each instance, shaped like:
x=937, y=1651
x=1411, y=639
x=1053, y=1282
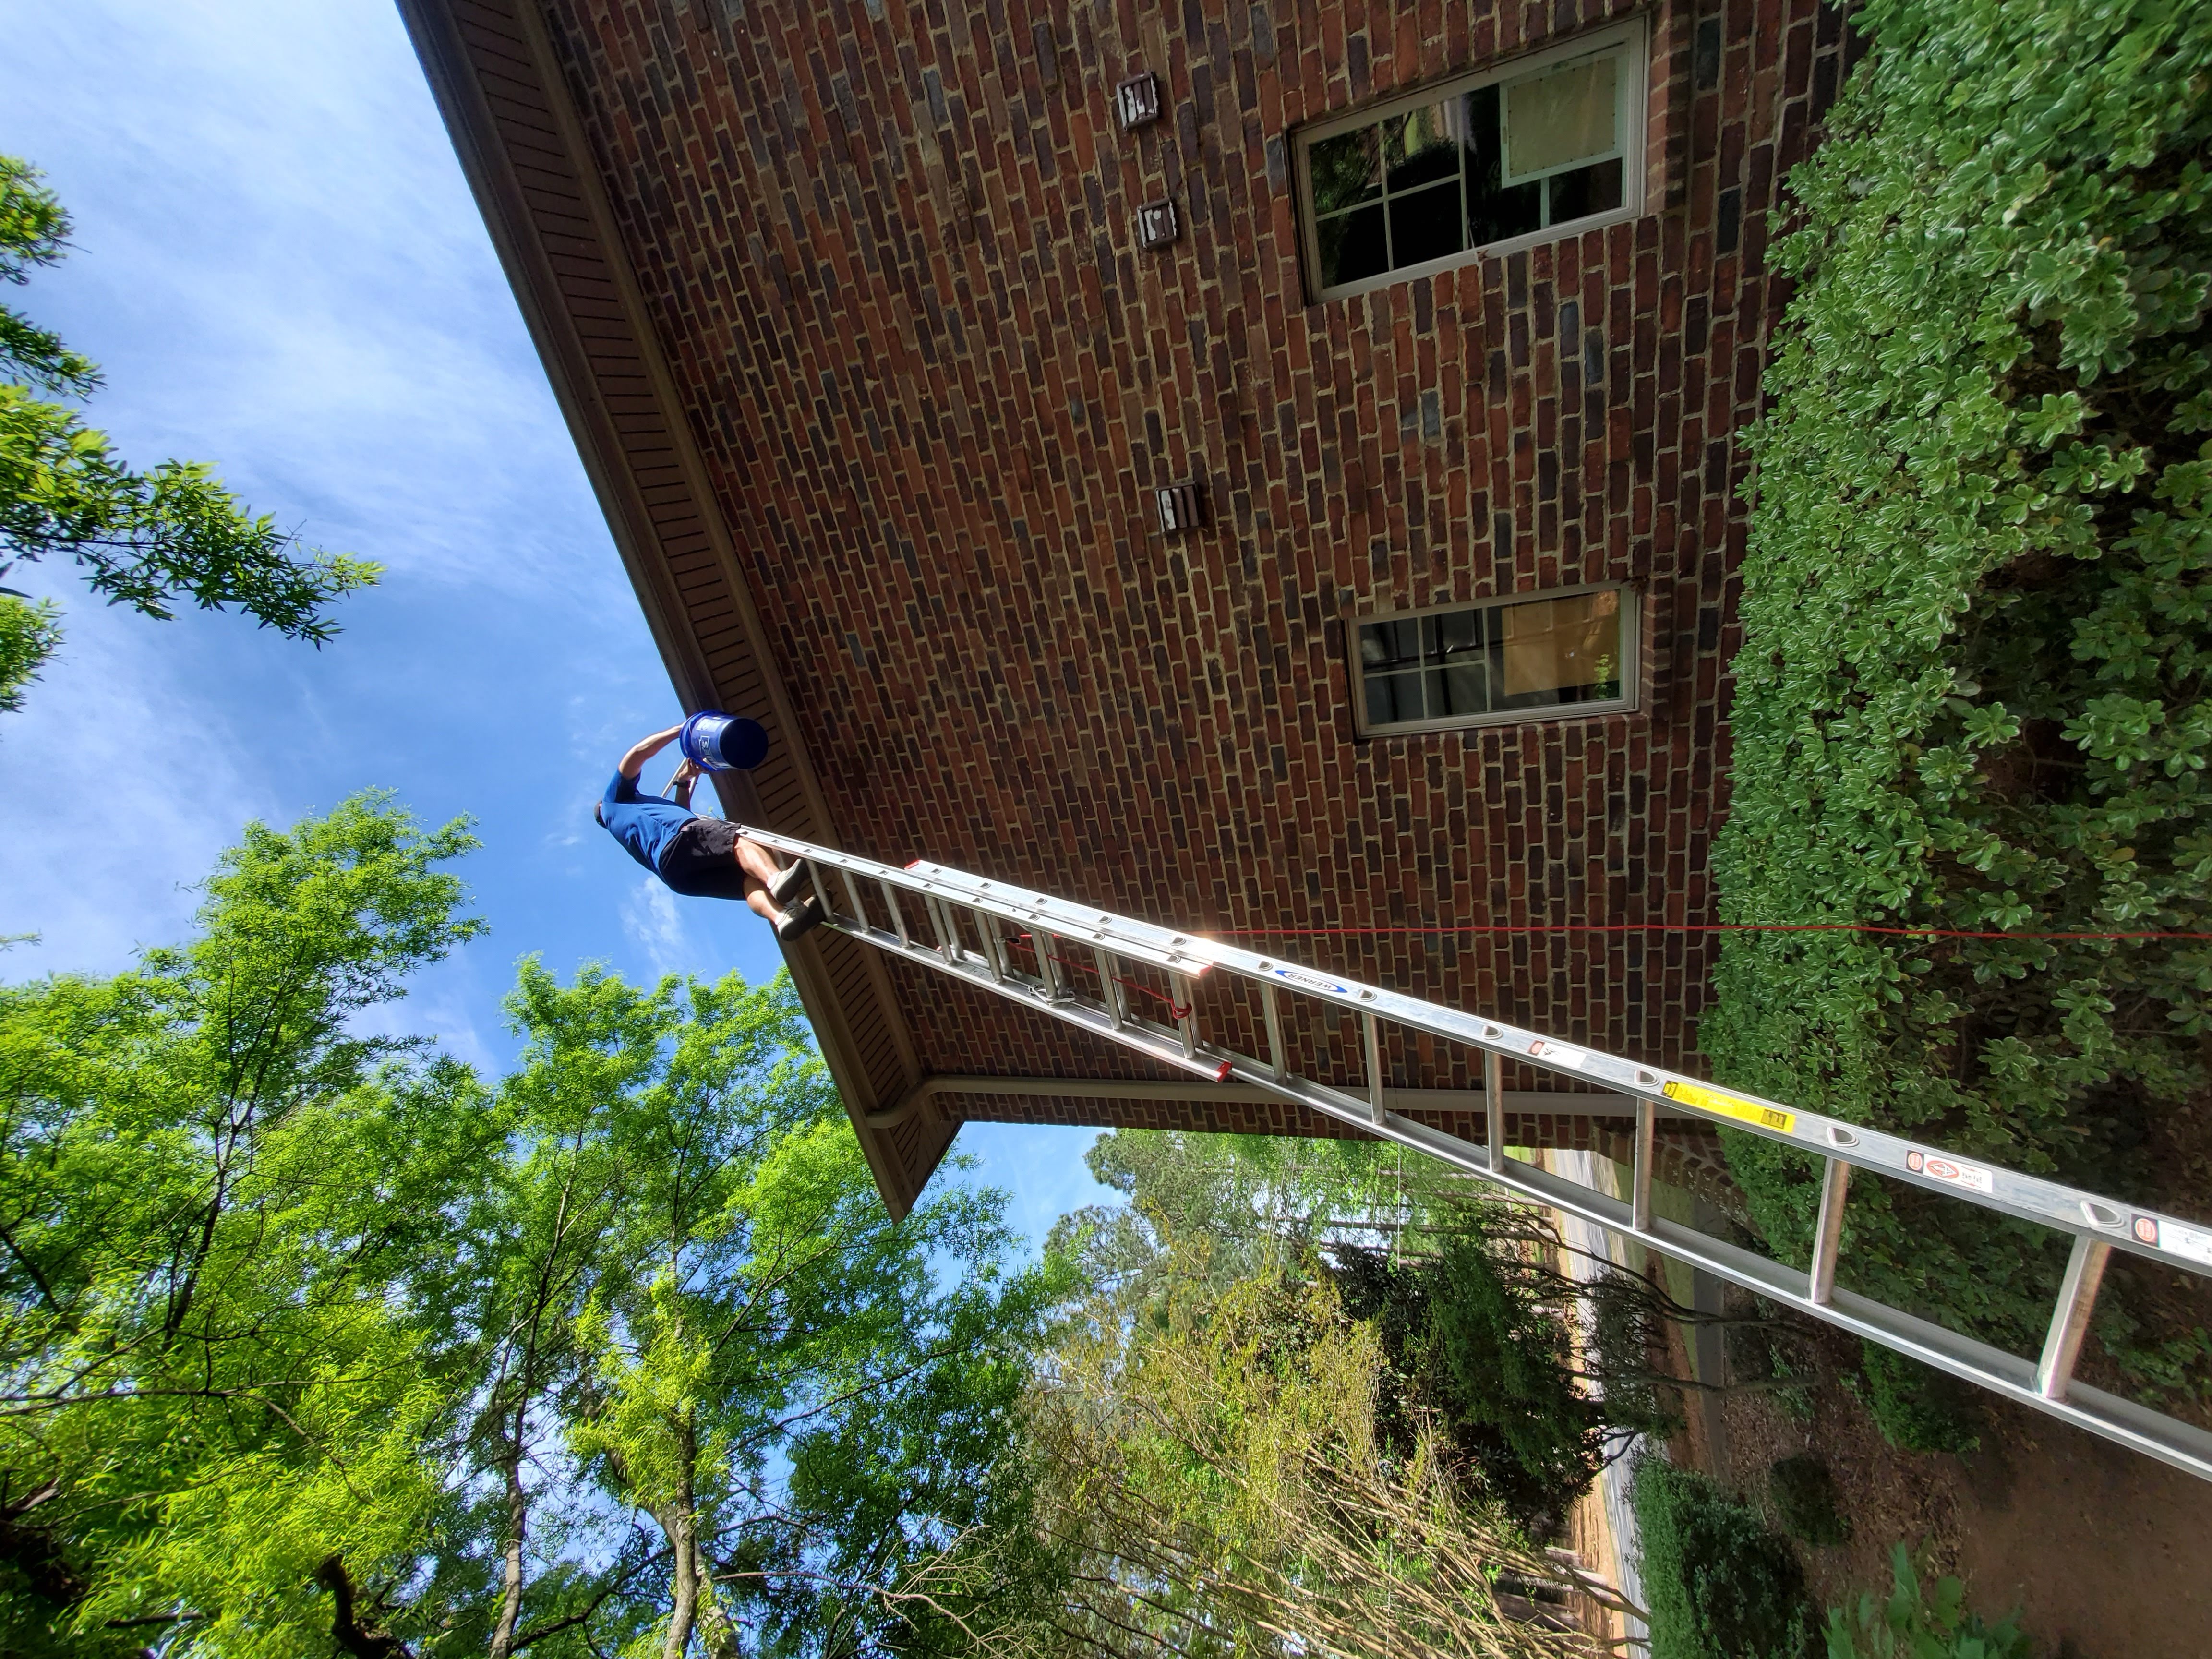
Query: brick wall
x=890, y=251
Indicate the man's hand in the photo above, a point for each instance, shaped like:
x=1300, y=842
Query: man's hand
x=644, y=749
x=686, y=775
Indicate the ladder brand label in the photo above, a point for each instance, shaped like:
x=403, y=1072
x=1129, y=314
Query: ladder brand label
x=1298, y=976
x=2191, y=1242
x=1945, y=1169
x=1712, y=1100
x=1557, y=1053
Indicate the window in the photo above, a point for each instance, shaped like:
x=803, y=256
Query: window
x=1551, y=140
x=1475, y=665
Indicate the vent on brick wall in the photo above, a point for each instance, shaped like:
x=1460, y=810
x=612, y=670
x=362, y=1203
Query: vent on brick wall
x=1156, y=224
x=1137, y=102
x=1180, y=507
x=1147, y=989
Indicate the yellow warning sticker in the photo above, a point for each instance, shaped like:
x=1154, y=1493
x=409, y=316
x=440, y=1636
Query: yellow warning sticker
x=1712, y=1100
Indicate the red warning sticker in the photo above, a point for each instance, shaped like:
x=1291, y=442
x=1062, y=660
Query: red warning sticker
x=1936, y=1168
x=1558, y=1053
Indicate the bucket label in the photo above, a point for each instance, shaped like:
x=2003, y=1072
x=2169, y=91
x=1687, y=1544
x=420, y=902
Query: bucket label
x=1972, y=1176
x=1743, y=1111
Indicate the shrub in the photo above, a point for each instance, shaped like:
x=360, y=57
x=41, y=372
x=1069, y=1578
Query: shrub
x=1718, y=1584
x=1803, y=1494
x=1911, y=1625
x=1916, y=1407
x=1977, y=623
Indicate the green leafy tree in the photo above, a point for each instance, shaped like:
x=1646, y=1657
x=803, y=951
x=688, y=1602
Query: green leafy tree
x=144, y=539
x=311, y=1340
x=209, y=1183
x=1213, y=1483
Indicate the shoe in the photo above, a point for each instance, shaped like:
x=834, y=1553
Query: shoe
x=788, y=881
x=803, y=917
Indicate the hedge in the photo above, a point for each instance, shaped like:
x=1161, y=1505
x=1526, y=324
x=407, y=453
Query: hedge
x=1977, y=623
x=1718, y=1583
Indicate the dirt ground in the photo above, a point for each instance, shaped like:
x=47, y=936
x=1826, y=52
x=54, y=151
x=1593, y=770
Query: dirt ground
x=2107, y=1553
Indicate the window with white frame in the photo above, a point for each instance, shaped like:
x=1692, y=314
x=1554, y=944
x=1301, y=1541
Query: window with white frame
x=1479, y=165
x=1525, y=657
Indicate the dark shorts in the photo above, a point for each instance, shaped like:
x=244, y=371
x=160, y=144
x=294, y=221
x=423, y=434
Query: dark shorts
x=702, y=862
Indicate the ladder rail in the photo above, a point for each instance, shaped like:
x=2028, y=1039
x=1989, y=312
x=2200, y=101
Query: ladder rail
x=2097, y=1224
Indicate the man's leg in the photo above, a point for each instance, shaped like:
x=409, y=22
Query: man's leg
x=758, y=862
x=760, y=868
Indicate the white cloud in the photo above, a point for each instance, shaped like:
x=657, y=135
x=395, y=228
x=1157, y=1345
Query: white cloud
x=121, y=788
x=651, y=918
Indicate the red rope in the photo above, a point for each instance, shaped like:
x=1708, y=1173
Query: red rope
x=1676, y=927
x=1178, y=1011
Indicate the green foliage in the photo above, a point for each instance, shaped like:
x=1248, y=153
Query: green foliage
x=1971, y=693
x=1917, y=1625
x=1719, y=1584
x=1916, y=1407
x=1213, y=1483
x=30, y=634
x=144, y=539
x=306, y=1334
x=210, y=1182
x=1803, y=1494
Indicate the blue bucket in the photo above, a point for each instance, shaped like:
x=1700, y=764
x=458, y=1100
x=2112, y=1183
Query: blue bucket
x=723, y=743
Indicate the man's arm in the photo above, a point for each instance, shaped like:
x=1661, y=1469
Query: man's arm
x=680, y=786
x=644, y=749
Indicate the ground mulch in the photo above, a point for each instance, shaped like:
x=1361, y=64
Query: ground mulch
x=2108, y=1553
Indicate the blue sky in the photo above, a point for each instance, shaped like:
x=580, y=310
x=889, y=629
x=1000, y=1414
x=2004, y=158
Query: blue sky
x=279, y=267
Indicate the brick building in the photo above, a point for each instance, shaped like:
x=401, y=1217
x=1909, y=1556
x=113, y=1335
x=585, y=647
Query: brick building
x=1101, y=442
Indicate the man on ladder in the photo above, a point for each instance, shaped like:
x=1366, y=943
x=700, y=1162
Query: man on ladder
x=700, y=857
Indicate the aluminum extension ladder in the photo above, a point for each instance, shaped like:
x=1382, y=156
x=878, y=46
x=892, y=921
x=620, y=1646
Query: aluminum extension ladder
x=984, y=956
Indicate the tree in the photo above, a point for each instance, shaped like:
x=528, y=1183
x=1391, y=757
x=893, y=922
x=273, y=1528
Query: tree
x=144, y=539
x=210, y=1182
x=309, y=1338
x=1215, y=1484
x=802, y=1398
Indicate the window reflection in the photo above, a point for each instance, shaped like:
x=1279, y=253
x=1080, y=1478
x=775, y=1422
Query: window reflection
x=1459, y=172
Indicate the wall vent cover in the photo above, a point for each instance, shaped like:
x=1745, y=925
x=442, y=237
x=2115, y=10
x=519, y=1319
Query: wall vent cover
x=1181, y=507
x=1137, y=102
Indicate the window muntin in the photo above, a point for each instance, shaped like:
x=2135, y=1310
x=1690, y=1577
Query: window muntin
x=1510, y=154
x=1527, y=657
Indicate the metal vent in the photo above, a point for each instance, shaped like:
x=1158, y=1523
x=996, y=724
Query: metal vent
x=1181, y=507
x=1156, y=224
x=1137, y=102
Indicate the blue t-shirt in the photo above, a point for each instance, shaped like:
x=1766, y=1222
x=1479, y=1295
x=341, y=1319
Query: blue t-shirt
x=643, y=824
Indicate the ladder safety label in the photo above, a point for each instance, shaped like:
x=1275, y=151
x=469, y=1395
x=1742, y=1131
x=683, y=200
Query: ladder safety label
x=2191, y=1242
x=1944, y=1168
x=1712, y=1100
x=1558, y=1053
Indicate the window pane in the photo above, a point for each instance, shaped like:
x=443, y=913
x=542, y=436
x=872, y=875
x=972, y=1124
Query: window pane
x=1423, y=145
x=1425, y=225
x=1494, y=213
x=1561, y=650
x=1393, y=697
x=1389, y=645
x=1586, y=191
x=1345, y=170
x=1352, y=246
x=1564, y=118
x=1460, y=631
x=1466, y=688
